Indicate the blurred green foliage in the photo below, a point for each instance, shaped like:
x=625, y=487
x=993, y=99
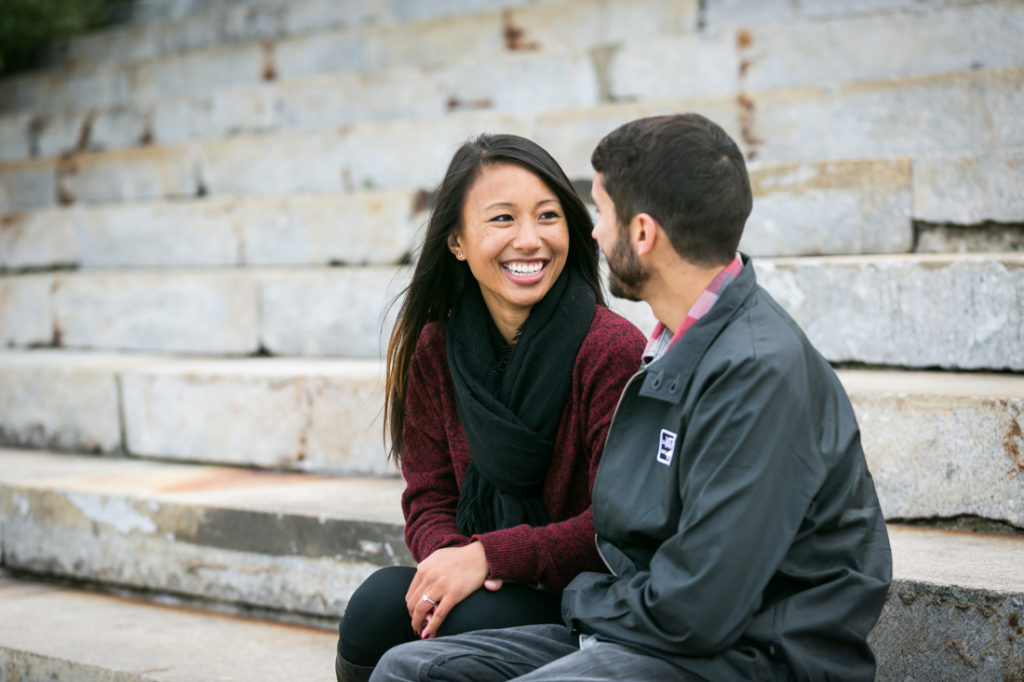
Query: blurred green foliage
x=28, y=26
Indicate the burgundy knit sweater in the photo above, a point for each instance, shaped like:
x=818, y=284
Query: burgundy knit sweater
x=437, y=455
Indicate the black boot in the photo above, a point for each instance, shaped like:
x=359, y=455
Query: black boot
x=350, y=672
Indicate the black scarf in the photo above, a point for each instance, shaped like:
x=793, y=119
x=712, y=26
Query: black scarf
x=510, y=400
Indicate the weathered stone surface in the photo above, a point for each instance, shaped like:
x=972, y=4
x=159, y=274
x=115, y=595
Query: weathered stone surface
x=572, y=26
x=732, y=12
x=279, y=541
x=970, y=190
x=403, y=154
x=162, y=234
x=371, y=227
x=830, y=209
x=26, y=311
x=47, y=402
x=955, y=114
x=349, y=316
x=27, y=184
x=14, y=137
x=818, y=45
x=320, y=415
x=130, y=175
x=198, y=71
x=36, y=239
x=42, y=637
x=955, y=608
x=375, y=227
x=208, y=312
x=935, y=115
x=943, y=444
x=964, y=311
x=54, y=91
x=824, y=51
x=701, y=65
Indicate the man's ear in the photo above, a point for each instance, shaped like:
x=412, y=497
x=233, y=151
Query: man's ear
x=643, y=231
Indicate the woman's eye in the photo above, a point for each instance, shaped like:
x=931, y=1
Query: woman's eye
x=549, y=215
x=503, y=218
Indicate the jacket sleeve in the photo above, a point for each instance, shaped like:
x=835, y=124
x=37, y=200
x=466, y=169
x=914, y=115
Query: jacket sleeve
x=554, y=554
x=431, y=490
x=747, y=470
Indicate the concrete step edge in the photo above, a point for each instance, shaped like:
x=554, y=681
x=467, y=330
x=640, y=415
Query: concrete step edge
x=52, y=632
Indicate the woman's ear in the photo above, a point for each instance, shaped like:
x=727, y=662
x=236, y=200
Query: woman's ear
x=455, y=247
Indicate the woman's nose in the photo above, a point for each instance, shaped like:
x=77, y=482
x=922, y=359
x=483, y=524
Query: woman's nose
x=527, y=236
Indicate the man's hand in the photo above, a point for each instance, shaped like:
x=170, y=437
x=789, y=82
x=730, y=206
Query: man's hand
x=447, y=576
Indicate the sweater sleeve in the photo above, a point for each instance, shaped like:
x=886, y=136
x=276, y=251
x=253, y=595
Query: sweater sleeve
x=431, y=487
x=554, y=554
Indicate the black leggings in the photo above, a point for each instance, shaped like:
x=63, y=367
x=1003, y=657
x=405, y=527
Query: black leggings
x=377, y=619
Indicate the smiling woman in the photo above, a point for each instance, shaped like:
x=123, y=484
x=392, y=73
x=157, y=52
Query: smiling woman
x=503, y=370
x=515, y=238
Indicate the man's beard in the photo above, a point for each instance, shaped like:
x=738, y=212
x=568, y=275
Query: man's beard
x=626, y=274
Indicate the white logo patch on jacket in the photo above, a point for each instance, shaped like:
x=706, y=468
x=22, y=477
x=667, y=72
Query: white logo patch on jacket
x=666, y=447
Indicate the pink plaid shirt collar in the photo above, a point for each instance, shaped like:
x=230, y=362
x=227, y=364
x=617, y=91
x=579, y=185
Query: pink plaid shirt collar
x=661, y=340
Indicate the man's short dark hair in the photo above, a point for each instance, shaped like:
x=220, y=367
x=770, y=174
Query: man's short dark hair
x=687, y=173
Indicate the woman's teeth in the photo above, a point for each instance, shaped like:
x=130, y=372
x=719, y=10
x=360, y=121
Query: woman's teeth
x=524, y=268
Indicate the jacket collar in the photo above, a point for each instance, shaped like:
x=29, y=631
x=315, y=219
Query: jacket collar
x=667, y=377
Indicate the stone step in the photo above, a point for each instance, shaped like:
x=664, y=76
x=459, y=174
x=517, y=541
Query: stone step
x=833, y=208
x=49, y=632
x=941, y=445
x=951, y=311
x=880, y=310
x=284, y=542
x=340, y=311
x=276, y=540
x=545, y=79
x=567, y=26
x=955, y=609
x=187, y=26
x=282, y=413
x=518, y=83
x=942, y=124
x=772, y=53
x=367, y=227
x=855, y=207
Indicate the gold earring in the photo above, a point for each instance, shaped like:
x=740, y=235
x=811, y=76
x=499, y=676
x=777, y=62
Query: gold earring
x=460, y=256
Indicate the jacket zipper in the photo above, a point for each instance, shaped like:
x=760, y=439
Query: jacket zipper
x=601, y=554
x=610, y=425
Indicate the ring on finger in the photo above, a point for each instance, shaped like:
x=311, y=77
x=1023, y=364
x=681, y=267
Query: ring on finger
x=430, y=601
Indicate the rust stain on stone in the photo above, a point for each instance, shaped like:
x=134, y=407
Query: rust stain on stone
x=1011, y=445
x=269, y=67
x=66, y=167
x=514, y=35
x=957, y=648
x=220, y=479
x=456, y=104
x=12, y=220
x=745, y=65
x=85, y=132
x=744, y=41
x=748, y=121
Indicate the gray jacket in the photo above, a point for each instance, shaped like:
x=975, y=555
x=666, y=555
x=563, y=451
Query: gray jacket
x=735, y=510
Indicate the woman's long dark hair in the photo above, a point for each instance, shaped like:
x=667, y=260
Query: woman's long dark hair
x=439, y=279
